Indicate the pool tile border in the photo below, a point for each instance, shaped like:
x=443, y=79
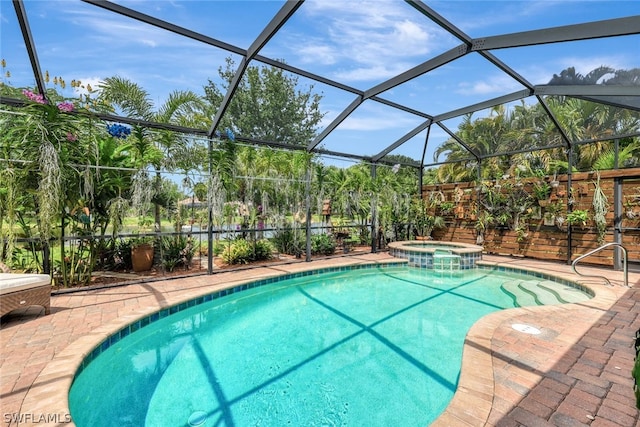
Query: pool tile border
x=422, y=257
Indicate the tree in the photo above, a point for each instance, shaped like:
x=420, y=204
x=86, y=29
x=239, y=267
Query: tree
x=527, y=127
x=268, y=106
x=155, y=149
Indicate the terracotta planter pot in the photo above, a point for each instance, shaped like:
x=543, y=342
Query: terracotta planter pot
x=142, y=257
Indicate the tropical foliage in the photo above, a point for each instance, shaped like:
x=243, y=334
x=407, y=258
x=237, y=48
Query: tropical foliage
x=528, y=127
x=66, y=174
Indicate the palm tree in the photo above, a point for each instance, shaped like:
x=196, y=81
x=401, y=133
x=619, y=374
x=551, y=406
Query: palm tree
x=152, y=149
x=485, y=136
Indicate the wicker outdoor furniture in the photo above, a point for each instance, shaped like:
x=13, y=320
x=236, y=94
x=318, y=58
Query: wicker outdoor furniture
x=24, y=290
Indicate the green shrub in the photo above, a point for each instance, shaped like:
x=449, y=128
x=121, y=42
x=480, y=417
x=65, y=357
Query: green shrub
x=263, y=250
x=219, y=246
x=243, y=252
x=286, y=242
x=365, y=235
x=177, y=251
x=113, y=255
x=239, y=252
x=323, y=244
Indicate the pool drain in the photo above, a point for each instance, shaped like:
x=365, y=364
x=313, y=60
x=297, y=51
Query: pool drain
x=197, y=418
x=526, y=329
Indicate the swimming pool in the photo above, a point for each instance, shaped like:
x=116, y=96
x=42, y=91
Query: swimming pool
x=379, y=346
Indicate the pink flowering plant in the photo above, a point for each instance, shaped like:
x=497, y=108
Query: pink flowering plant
x=46, y=136
x=52, y=113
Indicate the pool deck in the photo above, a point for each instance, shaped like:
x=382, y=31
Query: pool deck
x=576, y=372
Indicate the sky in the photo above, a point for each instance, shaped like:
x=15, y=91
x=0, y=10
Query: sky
x=358, y=43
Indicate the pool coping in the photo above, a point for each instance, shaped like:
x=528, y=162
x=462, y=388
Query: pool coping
x=474, y=398
x=470, y=406
x=456, y=248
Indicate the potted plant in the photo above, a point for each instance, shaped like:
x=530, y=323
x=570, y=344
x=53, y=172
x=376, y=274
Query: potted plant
x=578, y=216
x=541, y=192
x=459, y=211
x=553, y=213
x=446, y=207
x=485, y=219
x=522, y=232
x=548, y=219
x=632, y=210
x=142, y=253
x=473, y=212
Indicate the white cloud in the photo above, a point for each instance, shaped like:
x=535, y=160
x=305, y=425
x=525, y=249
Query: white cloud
x=584, y=65
x=363, y=40
x=372, y=72
x=495, y=84
x=371, y=117
x=116, y=30
x=541, y=73
x=377, y=122
x=474, y=18
x=317, y=53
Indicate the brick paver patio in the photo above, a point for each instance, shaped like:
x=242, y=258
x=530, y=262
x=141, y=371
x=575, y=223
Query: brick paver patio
x=575, y=372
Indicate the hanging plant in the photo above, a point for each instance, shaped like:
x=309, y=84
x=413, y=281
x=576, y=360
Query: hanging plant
x=632, y=210
x=541, y=192
x=522, y=233
x=141, y=194
x=600, y=208
x=436, y=197
x=578, y=217
x=117, y=209
x=8, y=205
x=45, y=132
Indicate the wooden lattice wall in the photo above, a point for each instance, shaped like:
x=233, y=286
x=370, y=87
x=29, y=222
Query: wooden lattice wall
x=542, y=241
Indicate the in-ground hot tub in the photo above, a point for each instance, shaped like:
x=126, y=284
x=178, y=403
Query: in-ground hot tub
x=421, y=253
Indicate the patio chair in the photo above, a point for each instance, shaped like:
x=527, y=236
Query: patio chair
x=23, y=290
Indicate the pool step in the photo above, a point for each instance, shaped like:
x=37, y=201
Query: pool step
x=541, y=292
x=444, y=260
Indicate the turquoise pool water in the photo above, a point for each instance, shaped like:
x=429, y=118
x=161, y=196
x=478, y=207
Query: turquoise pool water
x=374, y=347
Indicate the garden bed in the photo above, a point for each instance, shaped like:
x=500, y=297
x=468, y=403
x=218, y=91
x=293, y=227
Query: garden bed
x=198, y=266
